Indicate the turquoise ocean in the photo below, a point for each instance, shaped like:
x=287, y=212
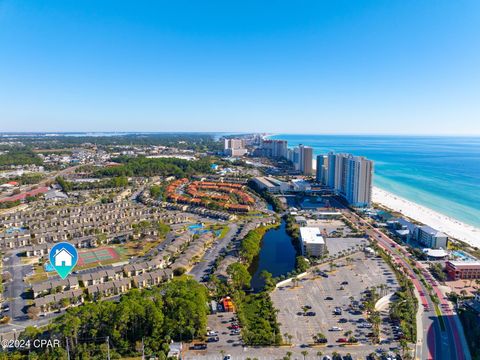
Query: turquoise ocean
x=441, y=173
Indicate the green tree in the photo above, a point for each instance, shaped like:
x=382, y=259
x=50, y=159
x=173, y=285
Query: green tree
x=239, y=275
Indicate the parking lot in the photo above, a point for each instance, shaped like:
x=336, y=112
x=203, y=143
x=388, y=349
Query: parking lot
x=219, y=323
x=336, y=245
x=312, y=291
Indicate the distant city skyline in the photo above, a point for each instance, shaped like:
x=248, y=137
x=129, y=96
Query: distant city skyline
x=329, y=67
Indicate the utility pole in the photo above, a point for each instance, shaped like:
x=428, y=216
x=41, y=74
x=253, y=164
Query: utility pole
x=108, y=348
x=68, y=350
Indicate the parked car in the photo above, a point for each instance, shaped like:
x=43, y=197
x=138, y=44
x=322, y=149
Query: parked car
x=335, y=328
x=342, y=340
x=311, y=313
x=329, y=298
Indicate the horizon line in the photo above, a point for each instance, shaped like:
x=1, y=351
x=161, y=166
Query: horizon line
x=267, y=133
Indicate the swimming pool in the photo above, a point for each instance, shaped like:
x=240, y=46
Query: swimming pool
x=195, y=227
x=463, y=256
x=13, y=229
x=48, y=267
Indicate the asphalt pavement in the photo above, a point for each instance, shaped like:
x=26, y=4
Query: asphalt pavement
x=200, y=269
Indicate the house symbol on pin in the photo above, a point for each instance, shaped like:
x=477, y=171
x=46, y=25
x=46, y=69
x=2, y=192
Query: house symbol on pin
x=63, y=258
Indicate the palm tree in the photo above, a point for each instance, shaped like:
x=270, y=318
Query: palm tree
x=404, y=346
x=304, y=353
x=318, y=336
x=375, y=319
x=319, y=354
x=289, y=354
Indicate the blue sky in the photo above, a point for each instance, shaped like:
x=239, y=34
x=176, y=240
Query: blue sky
x=406, y=66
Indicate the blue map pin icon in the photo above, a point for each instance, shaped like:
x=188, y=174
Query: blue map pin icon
x=63, y=258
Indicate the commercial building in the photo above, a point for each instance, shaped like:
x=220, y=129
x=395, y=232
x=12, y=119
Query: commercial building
x=313, y=244
x=235, y=147
x=270, y=184
x=430, y=237
x=274, y=148
x=463, y=269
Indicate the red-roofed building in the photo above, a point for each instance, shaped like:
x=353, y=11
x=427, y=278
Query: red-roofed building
x=22, y=196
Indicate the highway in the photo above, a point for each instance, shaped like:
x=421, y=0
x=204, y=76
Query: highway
x=439, y=344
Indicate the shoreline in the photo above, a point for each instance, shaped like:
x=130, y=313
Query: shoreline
x=452, y=227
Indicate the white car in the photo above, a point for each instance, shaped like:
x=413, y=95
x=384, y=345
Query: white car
x=212, y=333
x=336, y=328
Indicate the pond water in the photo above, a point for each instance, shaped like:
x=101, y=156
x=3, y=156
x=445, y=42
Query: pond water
x=277, y=256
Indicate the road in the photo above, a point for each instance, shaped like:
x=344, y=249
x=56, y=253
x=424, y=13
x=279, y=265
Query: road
x=45, y=181
x=14, y=294
x=199, y=270
x=440, y=343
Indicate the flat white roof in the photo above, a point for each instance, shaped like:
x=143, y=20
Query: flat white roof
x=435, y=252
x=311, y=235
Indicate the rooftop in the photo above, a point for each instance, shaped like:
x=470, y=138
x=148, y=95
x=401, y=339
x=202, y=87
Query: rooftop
x=311, y=235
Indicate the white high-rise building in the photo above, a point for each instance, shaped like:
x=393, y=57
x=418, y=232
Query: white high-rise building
x=234, y=147
x=350, y=176
x=358, y=181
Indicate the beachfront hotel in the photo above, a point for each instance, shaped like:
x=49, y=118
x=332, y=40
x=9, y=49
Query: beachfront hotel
x=349, y=176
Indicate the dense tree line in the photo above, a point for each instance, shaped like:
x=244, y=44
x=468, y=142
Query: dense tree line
x=115, y=182
x=184, y=141
x=9, y=204
x=260, y=317
x=157, y=192
x=19, y=156
x=25, y=179
x=250, y=245
x=142, y=166
x=255, y=311
x=175, y=311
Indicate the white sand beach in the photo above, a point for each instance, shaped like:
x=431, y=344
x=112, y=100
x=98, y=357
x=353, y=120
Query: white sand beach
x=448, y=225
